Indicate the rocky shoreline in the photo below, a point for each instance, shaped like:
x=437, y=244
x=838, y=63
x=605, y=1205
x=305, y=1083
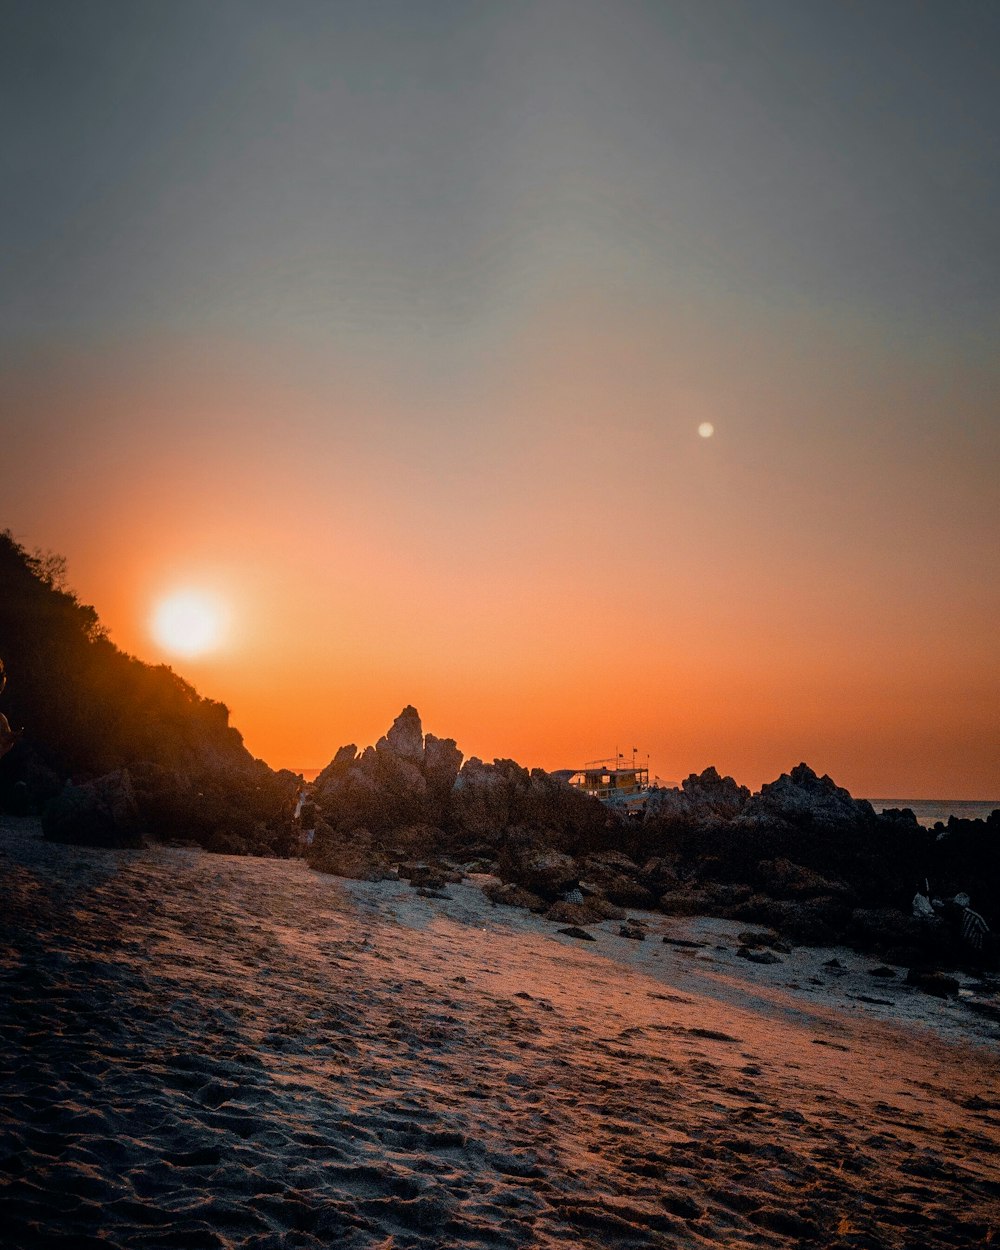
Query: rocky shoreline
x=801, y=857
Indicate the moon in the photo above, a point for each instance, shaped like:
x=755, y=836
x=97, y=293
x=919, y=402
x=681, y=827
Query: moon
x=706, y=429
x=189, y=622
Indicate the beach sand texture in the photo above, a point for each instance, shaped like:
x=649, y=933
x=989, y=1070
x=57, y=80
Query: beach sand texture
x=210, y=1051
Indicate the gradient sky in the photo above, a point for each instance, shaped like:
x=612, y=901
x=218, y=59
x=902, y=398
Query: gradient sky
x=393, y=323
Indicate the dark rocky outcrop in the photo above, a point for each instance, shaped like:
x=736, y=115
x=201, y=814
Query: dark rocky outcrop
x=403, y=782
x=244, y=810
x=802, y=856
x=616, y=877
x=348, y=853
x=413, y=796
x=488, y=800
x=701, y=800
x=547, y=873
x=801, y=799
x=966, y=856
x=98, y=813
x=801, y=853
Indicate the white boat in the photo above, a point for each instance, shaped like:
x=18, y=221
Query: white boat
x=622, y=786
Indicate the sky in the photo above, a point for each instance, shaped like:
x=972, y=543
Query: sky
x=391, y=326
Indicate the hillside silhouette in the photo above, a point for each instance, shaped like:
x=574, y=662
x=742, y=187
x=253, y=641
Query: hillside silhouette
x=88, y=710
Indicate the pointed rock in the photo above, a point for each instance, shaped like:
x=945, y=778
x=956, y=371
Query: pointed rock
x=406, y=737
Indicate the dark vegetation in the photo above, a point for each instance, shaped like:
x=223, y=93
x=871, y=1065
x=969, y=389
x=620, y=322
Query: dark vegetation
x=114, y=748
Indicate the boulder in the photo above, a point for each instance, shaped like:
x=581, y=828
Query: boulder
x=725, y=896
x=507, y=894
x=757, y=956
x=543, y=872
x=938, y=984
x=781, y=878
x=614, y=875
x=353, y=854
x=433, y=875
x=591, y=911
x=103, y=812
x=813, y=922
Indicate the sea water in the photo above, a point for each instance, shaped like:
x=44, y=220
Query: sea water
x=929, y=811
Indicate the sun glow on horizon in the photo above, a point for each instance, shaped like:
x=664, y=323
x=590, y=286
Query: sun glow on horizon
x=189, y=622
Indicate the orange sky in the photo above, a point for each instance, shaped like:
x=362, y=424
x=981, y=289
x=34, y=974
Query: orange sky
x=395, y=329
x=573, y=572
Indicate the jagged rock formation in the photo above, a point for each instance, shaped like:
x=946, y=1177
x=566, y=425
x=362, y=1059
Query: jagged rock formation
x=408, y=780
x=800, y=798
x=389, y=802
x=802, y=856
x=702, y=799
x=411, y=795
x=490, y=801
x=403, y=781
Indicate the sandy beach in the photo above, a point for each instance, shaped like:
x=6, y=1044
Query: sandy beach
x=214, y=1051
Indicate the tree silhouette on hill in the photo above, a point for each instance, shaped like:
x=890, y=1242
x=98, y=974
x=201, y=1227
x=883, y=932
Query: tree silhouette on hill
x=88, y=706
x=88, y=709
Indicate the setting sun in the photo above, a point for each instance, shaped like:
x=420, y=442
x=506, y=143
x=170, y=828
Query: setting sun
x=188, y=622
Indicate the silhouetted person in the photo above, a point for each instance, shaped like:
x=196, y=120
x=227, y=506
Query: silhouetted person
x=972, y=928
x=923, y=908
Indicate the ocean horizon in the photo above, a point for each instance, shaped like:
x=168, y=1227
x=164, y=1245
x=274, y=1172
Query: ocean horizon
x=929, y=811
